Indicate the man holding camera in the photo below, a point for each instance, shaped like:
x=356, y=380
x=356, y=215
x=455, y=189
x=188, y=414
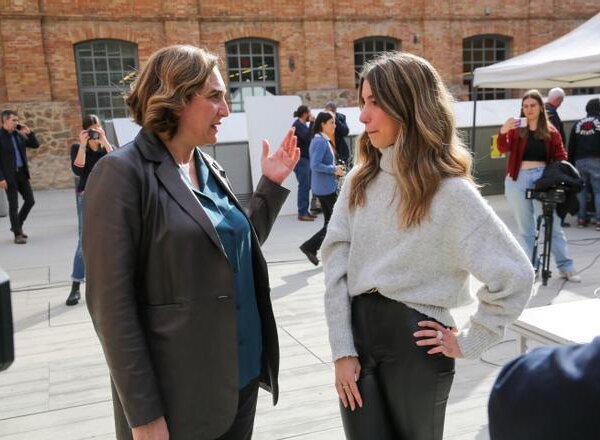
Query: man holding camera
x=14, y=173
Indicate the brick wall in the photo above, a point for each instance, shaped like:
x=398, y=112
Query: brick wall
x=315, y=43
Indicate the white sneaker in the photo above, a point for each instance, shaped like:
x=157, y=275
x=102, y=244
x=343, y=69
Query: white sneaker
x=569, y=276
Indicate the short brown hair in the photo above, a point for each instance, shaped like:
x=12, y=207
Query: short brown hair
x=167, y=84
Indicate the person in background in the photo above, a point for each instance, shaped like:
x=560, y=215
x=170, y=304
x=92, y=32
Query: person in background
x=177, y=285
x=14, y=170
x=341, y=131
x=92, y=147
x=408, y=230
x=555, y=98
x=550, y=393
x=302, y=170
x=584, y=153
x=531, y=148
x=323, y=179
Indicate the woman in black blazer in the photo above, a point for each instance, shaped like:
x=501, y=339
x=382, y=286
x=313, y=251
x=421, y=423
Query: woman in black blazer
x=177, y=286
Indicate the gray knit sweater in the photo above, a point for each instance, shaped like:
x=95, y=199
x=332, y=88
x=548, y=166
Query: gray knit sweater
x=426, y=267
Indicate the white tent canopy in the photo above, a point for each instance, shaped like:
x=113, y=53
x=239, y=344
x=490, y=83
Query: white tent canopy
x=573, y=60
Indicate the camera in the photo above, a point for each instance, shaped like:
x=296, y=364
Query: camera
x=93, y=135
x=553, y=195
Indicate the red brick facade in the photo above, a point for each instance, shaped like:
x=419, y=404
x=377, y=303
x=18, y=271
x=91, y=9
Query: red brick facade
x=37, y=38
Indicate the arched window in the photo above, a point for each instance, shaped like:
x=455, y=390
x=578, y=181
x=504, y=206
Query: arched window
x=366, y=49
x=481, y=51
x=104, y=70
x=252, y=70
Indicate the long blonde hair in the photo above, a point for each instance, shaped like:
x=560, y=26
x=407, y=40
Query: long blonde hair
x=411, y=92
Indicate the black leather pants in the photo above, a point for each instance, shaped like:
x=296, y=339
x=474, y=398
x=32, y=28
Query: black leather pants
x=404, y=389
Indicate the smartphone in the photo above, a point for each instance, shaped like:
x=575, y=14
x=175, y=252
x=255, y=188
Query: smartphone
x=522, y=122
x=19, y=127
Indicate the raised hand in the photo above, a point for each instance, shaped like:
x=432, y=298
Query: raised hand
x=277, y=166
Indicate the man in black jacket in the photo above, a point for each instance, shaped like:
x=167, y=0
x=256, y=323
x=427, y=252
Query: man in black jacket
x=14, y=173
x=341, y=131
x=554, y=100
x=584, y=153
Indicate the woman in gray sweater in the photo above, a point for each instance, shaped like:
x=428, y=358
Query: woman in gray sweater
x=408, y=229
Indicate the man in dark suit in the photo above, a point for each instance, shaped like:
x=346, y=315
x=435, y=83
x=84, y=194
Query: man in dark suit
x=551, y=393
x=14, y=172
x=555, y=98
x=341, y=131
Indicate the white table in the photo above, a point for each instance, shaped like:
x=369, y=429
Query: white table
x=565, y=323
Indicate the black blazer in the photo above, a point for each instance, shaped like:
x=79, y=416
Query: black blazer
x=8, y=161
x=556, y=121
x=161, y=292
x=341, y=131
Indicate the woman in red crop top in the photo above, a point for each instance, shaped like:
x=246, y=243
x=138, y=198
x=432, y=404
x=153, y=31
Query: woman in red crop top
x=530, y=148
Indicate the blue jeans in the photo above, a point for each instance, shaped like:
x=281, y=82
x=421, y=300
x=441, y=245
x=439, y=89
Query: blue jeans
x=302, y=171
x=590, y=173
x=526, y=213
x=78, y=267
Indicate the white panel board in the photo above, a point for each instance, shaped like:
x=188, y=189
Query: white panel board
x=269, y=117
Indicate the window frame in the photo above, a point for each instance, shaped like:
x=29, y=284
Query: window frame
x=99, y=60
x=368, y=54
x=239, y=50
x=483, y=61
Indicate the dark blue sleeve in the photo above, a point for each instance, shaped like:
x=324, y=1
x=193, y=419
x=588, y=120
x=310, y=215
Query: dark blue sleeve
x=30, y=140
x=549, y=393
x=341, y=128
x=572, y=153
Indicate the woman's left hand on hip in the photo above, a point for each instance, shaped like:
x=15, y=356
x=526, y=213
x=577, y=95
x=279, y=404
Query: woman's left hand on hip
x=277, y=166
x=442, y=339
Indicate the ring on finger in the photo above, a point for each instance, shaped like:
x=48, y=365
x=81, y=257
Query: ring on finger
x=439, y=335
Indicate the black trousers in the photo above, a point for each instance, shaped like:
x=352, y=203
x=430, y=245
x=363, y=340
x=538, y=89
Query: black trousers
x=404, y=389
x=20, y=186
x=313, y=244
x=243, y=424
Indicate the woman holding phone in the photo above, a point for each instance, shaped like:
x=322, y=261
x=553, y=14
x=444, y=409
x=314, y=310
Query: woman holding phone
x=532, y=142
